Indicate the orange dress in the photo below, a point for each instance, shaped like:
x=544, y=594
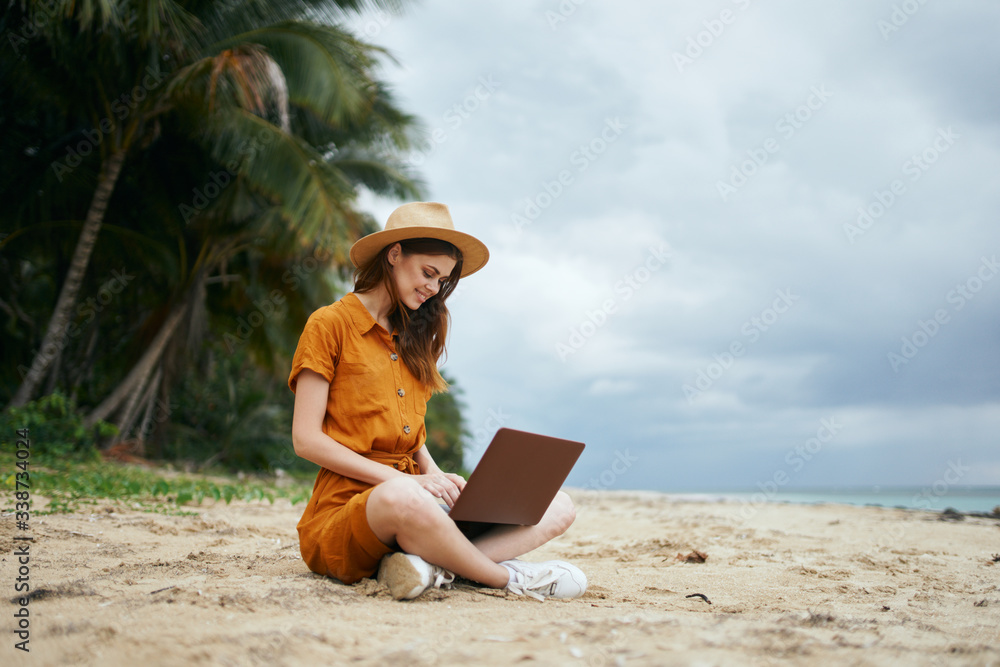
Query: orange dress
x=375, y=407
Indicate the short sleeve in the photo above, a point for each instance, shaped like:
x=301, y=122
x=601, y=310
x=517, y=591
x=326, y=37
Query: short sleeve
x=318, y=349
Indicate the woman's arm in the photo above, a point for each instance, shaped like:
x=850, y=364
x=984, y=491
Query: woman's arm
x=425, y=461
x=429, y=467
x=312, y=444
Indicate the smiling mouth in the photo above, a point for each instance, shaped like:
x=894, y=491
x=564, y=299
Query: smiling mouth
x=421, y=296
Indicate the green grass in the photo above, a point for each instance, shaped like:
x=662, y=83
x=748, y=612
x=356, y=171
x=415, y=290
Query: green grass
x=71, y=486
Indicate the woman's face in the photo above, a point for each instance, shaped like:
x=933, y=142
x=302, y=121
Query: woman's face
x=419, y=277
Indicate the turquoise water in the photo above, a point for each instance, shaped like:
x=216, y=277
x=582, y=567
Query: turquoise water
x=962, y=499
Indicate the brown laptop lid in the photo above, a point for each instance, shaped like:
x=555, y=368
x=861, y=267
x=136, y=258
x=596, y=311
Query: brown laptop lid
x=517, y=478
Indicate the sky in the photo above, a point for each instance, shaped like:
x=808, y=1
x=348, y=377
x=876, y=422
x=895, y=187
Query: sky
x=734, y=244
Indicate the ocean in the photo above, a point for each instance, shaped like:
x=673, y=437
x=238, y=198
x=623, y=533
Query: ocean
x=960, y=499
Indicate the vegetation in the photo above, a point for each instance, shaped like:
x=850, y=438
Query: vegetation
x=74, y=487
x=446, y=430
x=181, y=181
x=56, y=428
x=65, y=468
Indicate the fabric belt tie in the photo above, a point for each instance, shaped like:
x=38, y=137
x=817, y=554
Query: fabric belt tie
x=402, y=462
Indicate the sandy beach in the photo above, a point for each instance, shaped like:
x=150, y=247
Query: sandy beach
x=782, y=584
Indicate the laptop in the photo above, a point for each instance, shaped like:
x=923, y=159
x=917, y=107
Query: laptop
x=515, y=481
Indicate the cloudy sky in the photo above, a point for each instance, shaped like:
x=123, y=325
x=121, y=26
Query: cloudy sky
x=731, y=241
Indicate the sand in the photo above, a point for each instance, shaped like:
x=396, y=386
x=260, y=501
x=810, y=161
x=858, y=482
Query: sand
x=788, y=584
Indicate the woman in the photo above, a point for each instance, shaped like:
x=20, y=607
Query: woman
x=362, y=373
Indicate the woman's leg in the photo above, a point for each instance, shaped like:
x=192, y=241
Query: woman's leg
x=506, y=542
x=402, y=512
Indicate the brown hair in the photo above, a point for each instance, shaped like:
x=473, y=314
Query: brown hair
x=422, y=332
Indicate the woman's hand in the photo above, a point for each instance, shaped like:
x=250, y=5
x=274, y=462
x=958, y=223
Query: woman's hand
x=444, y=485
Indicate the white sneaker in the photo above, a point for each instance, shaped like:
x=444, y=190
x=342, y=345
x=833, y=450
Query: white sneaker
x=407, y=576
x=553, y=579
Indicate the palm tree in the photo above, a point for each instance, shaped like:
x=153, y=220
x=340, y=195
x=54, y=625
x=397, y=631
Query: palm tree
x=251, y=82
x=263, y=233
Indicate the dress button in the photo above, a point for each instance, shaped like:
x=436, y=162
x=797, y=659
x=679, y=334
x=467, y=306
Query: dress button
x=406, y=429
x=401, y=392
x=394, y=356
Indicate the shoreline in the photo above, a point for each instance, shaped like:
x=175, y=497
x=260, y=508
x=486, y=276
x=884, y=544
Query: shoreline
x=825, y=497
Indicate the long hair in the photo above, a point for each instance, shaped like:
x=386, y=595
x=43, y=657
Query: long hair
x=422, y=332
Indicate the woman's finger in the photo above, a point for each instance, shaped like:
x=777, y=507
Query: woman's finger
x=453, y=491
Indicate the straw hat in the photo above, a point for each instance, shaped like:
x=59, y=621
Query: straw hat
x=422, y=220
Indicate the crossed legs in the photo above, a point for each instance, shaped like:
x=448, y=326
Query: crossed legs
x=401, y=512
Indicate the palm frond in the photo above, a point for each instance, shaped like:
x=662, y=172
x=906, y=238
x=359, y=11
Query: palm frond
x=244, y=76
x=385, y=125
x=328, y=70
x=256, y=12
x=314, y=198
x=166, y=22
x=382, y=174
x=100, y=13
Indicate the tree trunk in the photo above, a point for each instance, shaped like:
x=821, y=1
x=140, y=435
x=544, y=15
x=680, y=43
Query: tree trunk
x=55, y=334
x=140, y=402
x=140, y=372
x=128, y=414
x=54, y=369
x=147, y=417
